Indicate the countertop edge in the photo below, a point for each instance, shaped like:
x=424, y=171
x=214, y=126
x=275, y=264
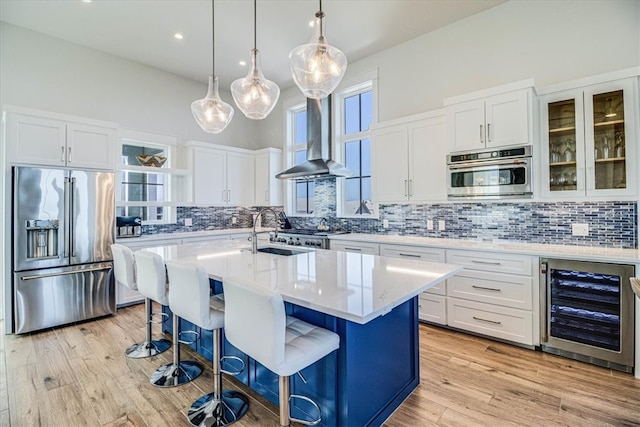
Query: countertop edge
x=591, y=253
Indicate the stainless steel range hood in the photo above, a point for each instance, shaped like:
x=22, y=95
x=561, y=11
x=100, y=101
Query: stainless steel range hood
x=319, y=163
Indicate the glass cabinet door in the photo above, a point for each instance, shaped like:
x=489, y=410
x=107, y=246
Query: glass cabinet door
x=609, y=140
x=563, y=145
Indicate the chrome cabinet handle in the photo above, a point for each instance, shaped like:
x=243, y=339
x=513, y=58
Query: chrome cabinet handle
x=410, y=255
x=62, y=153
x=486, y=289
x=406, y=188
x=485, y=262
x=69, y=154
x=481, y=135
x=488, y=132
x=353, y=249
x=266, y=195
x=410, y=187
x=486, y=320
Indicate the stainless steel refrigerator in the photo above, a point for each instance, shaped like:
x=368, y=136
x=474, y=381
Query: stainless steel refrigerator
x=63, y=225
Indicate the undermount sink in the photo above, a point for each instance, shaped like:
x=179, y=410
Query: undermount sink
x=281, y=251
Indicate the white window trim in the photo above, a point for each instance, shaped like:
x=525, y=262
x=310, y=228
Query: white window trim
x=291, y=107
x=153, y=140
x=362, y=83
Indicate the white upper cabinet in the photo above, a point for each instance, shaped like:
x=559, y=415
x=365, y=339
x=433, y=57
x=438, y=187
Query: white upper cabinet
x=268, y=162
x=221, y=176
x=408, y=159
x=40, y=138
x=587, y=140
x=489, y=119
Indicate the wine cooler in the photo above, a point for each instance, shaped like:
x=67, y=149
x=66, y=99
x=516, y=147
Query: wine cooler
x=588, y=312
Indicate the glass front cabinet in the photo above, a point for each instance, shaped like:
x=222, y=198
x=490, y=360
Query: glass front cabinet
x=587, y=141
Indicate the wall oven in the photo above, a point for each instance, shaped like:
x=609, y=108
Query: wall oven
x=587, y=312
x=490, y=174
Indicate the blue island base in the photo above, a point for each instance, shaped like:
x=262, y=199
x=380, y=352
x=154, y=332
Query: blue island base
x=361, y=384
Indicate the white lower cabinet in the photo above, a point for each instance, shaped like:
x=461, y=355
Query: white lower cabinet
x=432, y=308
x=493, y=295
x=491, y=320
x=432, y=304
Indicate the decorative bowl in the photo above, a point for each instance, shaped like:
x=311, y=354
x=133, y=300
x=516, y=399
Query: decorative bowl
x=151, y=160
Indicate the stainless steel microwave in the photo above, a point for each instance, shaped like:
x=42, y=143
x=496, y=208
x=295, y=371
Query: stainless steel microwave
x=490, y=174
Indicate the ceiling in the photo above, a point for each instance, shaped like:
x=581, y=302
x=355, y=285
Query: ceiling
x=142, y=30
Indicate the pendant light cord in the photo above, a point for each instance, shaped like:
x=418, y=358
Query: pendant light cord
x=213, y=39
x=320, y=15
x=255, y=24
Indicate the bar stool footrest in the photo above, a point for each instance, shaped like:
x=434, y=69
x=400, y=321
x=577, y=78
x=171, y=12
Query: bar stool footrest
x=237, y=371
x=194, y=340
x=163, y=316
x=171, y=375
x=312, y=403
x=211, y=410
x=147, y=348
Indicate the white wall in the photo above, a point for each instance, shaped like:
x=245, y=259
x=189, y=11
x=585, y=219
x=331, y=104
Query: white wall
x=50, y=74
x=549, y=41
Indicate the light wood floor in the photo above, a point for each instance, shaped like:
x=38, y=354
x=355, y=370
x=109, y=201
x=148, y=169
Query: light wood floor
x=78, y=376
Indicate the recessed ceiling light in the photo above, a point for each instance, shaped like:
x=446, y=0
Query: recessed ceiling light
x=243, y=63
x=178, y=36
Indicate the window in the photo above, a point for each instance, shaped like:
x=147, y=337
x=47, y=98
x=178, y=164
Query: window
x=355, y=113
x=301, y=193
x=142, y=191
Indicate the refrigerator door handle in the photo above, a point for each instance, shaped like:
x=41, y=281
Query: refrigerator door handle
x=72, y=216
x=66, y=217
x=544, y=308
x=64, y=273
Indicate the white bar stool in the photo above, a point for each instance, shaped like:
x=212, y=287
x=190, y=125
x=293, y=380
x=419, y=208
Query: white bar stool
x=125, y=274
x=222, y=407
x=256, y=324
x=152, y=283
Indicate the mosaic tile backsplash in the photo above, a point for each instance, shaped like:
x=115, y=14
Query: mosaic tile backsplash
x=611, y=224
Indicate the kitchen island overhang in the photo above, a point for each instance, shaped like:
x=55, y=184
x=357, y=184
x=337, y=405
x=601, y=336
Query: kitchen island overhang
x=370, y=301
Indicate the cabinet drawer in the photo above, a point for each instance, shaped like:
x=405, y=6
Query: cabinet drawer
x=432, y=308
x=500, y=322
x=510, y=291
x=494, y=262
x=360, y=247
x=413, y=252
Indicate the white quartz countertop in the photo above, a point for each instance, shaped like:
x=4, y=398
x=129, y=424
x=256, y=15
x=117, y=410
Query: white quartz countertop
x=587, y=253
x=351, y=286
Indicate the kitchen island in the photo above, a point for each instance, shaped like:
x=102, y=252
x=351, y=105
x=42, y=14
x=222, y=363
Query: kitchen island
x=369, y=301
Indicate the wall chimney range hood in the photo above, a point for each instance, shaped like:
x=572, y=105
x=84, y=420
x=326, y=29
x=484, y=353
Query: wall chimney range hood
x=319, y=163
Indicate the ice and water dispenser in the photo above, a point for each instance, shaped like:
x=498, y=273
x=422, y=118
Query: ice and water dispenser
x=42, y=238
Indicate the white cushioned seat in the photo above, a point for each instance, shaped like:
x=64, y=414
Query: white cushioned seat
x=152, y=283
x=189, y=297
x=151, y=276
x=305, y=342
x=125, y=274
x=124, y=266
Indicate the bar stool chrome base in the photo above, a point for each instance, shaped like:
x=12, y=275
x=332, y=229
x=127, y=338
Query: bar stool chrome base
x=148, y=348
x=209, y=411
x=173, y=375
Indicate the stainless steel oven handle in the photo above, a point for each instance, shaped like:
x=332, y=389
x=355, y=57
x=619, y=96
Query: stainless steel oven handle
x=63, y=273
x=544, y=335
x=479, y=164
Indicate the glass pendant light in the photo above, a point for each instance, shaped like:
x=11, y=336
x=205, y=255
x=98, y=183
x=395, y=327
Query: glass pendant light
x=212, y=113
x=317, y=67
x=254, y=95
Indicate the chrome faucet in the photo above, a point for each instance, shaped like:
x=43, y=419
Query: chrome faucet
x=254, y=235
